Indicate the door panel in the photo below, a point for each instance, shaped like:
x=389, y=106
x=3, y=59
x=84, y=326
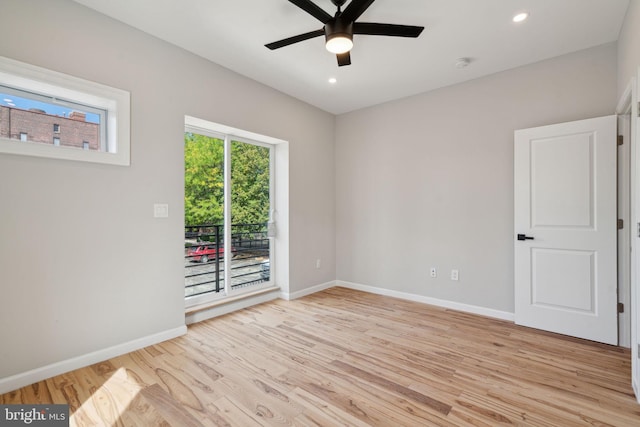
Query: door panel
x=251, y=201
x=563, y=279
x=565, y=198
x=561, y=181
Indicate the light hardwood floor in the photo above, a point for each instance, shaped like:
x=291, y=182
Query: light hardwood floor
x=342, y=357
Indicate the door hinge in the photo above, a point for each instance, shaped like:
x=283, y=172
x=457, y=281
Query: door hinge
x=620, y=139
x=620, y=224
x=620, y=307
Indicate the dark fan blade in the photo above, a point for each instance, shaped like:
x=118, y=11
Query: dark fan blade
x=375, y=29
x=313, y=10
x=295, y=39
x=355, y=9
x=344, y=59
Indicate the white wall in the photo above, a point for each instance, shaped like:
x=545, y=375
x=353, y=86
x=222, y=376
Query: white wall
x=83, y=264
x=428, y=180
x=629, y=46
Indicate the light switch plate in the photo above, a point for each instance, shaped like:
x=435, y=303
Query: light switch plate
x=160, y=210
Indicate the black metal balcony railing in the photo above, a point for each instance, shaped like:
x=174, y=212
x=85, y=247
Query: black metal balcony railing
x=205, y=251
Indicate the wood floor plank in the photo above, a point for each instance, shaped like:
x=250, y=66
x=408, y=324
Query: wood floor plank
x=258, y=397
x=170, y=409
x=347, y=358
x=141, y=413
x=374, y=379
x=319, y=413
x=235, y=414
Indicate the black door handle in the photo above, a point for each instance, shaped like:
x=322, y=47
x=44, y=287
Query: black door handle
x=524, y=237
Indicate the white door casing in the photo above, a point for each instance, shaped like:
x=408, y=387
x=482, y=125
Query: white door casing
x=635, y=240
x=624, y=233
x=565, y=199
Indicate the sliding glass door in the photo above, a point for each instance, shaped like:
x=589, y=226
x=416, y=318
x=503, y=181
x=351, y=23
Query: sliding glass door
x=228, y=209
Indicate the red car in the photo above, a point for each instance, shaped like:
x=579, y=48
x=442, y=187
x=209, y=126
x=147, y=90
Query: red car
x=206, y=252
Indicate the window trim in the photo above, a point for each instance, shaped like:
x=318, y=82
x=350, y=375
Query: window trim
x=116, y=102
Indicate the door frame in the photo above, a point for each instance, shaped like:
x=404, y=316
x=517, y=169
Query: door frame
x=628, y=107
x=625, y=210
x=629, y=103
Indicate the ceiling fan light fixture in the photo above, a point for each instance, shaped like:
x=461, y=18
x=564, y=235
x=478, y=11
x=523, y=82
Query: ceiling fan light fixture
x=339, y=43
x=339, y=36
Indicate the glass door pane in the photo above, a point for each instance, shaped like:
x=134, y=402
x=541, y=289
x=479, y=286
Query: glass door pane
x=204, y=216
x=250, y=214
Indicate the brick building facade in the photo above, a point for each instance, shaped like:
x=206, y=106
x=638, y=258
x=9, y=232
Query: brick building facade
x=37, y=126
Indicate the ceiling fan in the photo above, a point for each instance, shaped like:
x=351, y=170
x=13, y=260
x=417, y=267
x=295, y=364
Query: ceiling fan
x=340, y=28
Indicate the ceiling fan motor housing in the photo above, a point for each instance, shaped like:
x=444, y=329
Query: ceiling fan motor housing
x=338, y=28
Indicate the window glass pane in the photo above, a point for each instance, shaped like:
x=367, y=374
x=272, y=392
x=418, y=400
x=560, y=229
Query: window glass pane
x=250, y=206
x=41, y=117
x=204, y=214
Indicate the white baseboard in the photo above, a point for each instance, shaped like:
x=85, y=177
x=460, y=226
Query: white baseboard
x=474, y=309
x=26, y=378
x=308, y=291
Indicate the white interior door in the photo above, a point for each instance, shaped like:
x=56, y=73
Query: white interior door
x=565, y=214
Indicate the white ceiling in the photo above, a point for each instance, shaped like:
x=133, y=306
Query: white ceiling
x=232, y=33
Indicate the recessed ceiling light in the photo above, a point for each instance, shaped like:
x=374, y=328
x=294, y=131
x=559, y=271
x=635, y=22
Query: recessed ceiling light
x=333, y=80
x=522, y=16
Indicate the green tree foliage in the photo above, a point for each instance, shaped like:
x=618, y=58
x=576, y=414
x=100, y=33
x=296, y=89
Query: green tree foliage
x=204, y=181
x=250, y=181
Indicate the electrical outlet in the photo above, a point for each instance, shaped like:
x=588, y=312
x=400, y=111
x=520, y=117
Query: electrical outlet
x=454, y=274
x=433, y=272
x=318, y=263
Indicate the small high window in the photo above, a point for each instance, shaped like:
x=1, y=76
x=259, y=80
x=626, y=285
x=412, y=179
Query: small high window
x=41, y=102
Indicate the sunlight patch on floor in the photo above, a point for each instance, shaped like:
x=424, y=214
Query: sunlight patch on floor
x=109, y=401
